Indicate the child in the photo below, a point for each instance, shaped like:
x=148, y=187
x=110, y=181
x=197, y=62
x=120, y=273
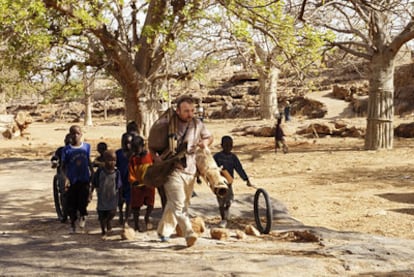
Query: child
x=140, y=194
x=132, y=128
x=230, y=162
x=56, y=161
x=122, y=160
x=76, y=166
x=280, y=137
x=99, y=160
x=107, y=182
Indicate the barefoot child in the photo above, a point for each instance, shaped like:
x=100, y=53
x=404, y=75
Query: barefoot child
x=140, y=194
x=122, y=159
x=107, y=182
x=230, y=162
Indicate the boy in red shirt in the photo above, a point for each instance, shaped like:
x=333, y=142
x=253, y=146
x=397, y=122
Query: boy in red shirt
x=140, y=194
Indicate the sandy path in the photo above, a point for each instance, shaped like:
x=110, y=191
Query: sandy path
x=336, y=108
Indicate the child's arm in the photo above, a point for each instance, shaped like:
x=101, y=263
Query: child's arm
x=94, y=184
x=63, y=167
x=90, y=167
x=119, y=183
x=239, y=169
x=132, y=178
x=91, y=171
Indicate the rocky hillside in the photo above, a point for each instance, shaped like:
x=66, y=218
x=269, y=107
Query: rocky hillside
x=235, y=94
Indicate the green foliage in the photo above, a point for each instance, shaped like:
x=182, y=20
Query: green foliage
x=241, y=31
x=23, y=43
x=69, y=91
x=23, y=39
x=286, y=42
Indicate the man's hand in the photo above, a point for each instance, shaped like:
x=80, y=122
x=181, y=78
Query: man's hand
x=204, y=143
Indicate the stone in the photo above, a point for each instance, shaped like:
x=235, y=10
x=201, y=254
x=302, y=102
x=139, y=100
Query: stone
x=219, y=233
x=128, y=233
x=240, y=235
x=405, y=130
x=251, y=231
x=198, y=226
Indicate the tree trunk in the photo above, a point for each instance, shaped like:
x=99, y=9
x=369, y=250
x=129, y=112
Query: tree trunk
x=268, y=92
x=380, y=132
x=88, y=100
x=141, y=107
x=2, y=101
x=106, y=108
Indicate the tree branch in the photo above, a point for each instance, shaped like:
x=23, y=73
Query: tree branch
x=406, y=35
x=342, y=45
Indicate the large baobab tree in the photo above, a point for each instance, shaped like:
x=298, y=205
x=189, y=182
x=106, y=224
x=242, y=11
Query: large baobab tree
x=375, y=31
x=127, y=39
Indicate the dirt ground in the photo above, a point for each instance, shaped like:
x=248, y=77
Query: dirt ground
x=327, y=182
x=330, y=182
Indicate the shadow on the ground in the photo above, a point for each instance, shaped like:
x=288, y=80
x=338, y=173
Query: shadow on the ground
x=12, y=160
x=397, y=176
x=399, y=197
x=404, y=211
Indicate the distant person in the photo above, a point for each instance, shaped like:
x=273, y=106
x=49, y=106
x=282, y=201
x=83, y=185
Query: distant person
x=99, y=160
x=230, y=162
x=287, y=111
x=107, y=182
x=280, y=142
x=77, y=167
x=122, y=159
x=140, y=194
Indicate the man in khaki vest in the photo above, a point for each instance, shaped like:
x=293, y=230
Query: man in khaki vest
x=180, y=183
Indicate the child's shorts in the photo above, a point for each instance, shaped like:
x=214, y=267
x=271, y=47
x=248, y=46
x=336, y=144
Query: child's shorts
x=106, y=215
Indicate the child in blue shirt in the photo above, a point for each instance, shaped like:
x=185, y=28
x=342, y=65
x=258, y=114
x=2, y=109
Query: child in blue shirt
x=77, y=168
x=122, y=159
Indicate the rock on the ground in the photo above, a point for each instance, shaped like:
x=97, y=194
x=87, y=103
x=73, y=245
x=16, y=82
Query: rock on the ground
x=198, y=226
x=220, y=233
x=252, y=231
x=405, y=130
x=240, y=234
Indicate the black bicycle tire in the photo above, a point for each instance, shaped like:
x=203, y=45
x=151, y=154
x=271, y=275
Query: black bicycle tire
x=269, y=211
x=56, y=197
